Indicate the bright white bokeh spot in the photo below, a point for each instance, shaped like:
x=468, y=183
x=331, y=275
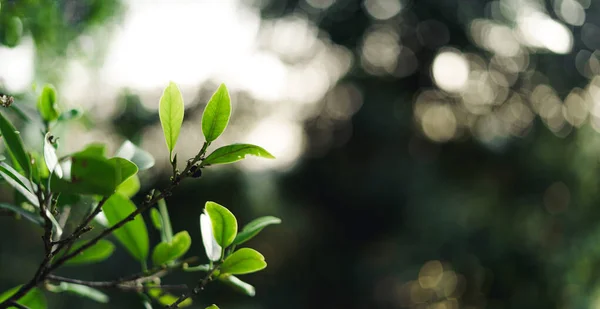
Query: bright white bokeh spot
x=539, y=30
x=450, y=71
x=17, y=66
x=283, y=139
x=383, y=9
x=572, y=12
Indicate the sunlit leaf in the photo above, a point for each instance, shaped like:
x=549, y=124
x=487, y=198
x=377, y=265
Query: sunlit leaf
x=167, y=299
x=34, y=299
x=14, y=144
x=130, y=187
x=135, y=154
x=133, y=235
x=99, y=252
x=216, y=114
x=212, y=248
x=124, y=169
x=46, y=104
x=213, y=306
x=238, y=284
x=243, y=261
x=171, y=111
x=224, y=224
x=235, y=152
x=169, y=251
x=80, y=290
x=94, y=149
x=89, y=174
x=253, y=228
x=51, y=158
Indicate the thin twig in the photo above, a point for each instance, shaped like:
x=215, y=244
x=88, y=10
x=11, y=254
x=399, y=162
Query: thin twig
x=196, y=290
x=125, y=286
x=44, y=269
x=15, y=304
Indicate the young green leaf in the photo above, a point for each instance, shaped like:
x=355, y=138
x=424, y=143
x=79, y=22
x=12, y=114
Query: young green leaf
x=169, y=251
x=80, y=290
x=33, y=217
x=130, y=187
x=124, y=168
x=235, y=152
x=167, y=299
x=212, y=248
x=133, y=235
x=47, y=104
x=170, y=112
x=34, y=299
x=14, y=144
x=99, y=252
x=238, y=284
x=243, y=261
x=253, y=228
x=135, y=154
x=213, y=306
x=224, y=223
x=50, y=156
x=216, y=114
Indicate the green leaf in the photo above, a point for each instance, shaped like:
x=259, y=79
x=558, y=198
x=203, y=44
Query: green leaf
x=166, y=252
x=130, y=187
x=243, y=261
x=47, y=104
x=33, y=217
x=93, y=174
x=167, y=299
x=224, y=224
x=138, y=156
x=80, y=290
x=19, y=183
x=124, y=169
x=156, y=219
x=216, y=114
x=14, y=144
x=90, y=174
x=213, y=306
x=171, y=111
x=70, y=114
x=238, y=284
x=50, y=157
x=99, y=252
x=253, y=228
x=34, y=299
x=133, y=235
x=167, y=230
x=235, y=152
x=2, y=158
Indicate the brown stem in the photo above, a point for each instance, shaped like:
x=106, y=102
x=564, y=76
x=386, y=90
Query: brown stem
x=199, y=287
x=125, y=286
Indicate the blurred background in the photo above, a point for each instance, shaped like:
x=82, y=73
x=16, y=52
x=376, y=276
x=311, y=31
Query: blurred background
x=431, y=154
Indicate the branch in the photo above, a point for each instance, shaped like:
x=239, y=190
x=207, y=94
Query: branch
x=44, y=270
x=124, y=286
x=15, y=304
x=201, y=285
